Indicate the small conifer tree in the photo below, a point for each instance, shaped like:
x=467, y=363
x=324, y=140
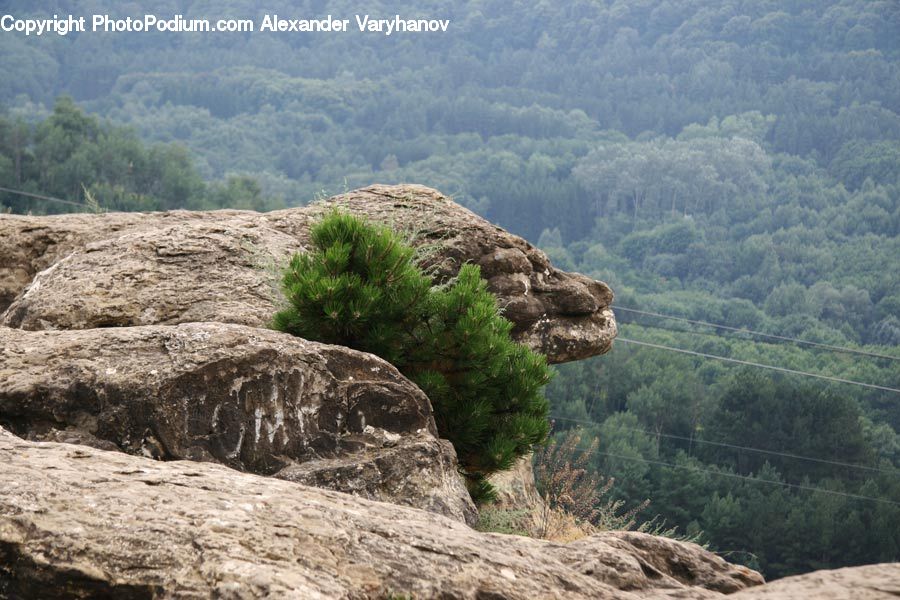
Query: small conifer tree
x=360, y=287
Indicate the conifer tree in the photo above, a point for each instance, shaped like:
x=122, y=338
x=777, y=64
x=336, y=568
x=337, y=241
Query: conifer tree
x=360, y=287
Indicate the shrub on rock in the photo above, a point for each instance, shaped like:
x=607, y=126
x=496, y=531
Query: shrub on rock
x=360, y=287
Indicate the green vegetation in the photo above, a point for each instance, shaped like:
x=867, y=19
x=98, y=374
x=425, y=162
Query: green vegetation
x=360, y=288
x=733, y=162
x=683, y=432
x=76, y=158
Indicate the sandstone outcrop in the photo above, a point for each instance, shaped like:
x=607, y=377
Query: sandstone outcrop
x=190, y=271
x=253, y=399
x=211, y=393
x=86, y=271
x=516, y=488
x=78, y=522
x=869, y=582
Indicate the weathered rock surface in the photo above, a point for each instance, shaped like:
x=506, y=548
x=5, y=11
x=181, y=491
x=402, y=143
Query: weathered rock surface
x=869, y=582
x=516, y=489
x=190, y=271
x=419, y=472
x=252, y=399
x=29, y=244
x=163, y=268
x=565, y=316
x=238, y=396
x=78, y=522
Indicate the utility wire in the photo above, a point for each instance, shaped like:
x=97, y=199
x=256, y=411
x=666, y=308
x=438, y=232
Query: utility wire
x=737, y=447
x=760, y=365
x=40, y=197
x=758, y=333
x=798, y=486
x=708, y=334
x=712, y=334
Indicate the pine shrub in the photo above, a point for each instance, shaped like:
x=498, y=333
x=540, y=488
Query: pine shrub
x=360, y=287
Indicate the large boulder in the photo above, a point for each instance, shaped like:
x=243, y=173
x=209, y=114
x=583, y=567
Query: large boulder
x=253, y=399
x=77, y=522
x=189, y=271
x=85, y=271
x=30, y=244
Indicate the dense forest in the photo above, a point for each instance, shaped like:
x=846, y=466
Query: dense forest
x=734, y=163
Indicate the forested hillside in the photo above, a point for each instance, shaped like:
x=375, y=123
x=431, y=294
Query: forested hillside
x=736, y=163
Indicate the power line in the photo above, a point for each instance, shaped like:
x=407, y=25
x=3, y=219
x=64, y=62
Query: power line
x=41, y=197
x=737, y=447
x=709, y=334
x=760, y=365
x=759, y=333
x=798, y=486
x=712, y=334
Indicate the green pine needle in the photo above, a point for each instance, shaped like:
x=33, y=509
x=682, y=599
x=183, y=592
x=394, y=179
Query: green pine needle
x=360, y=288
